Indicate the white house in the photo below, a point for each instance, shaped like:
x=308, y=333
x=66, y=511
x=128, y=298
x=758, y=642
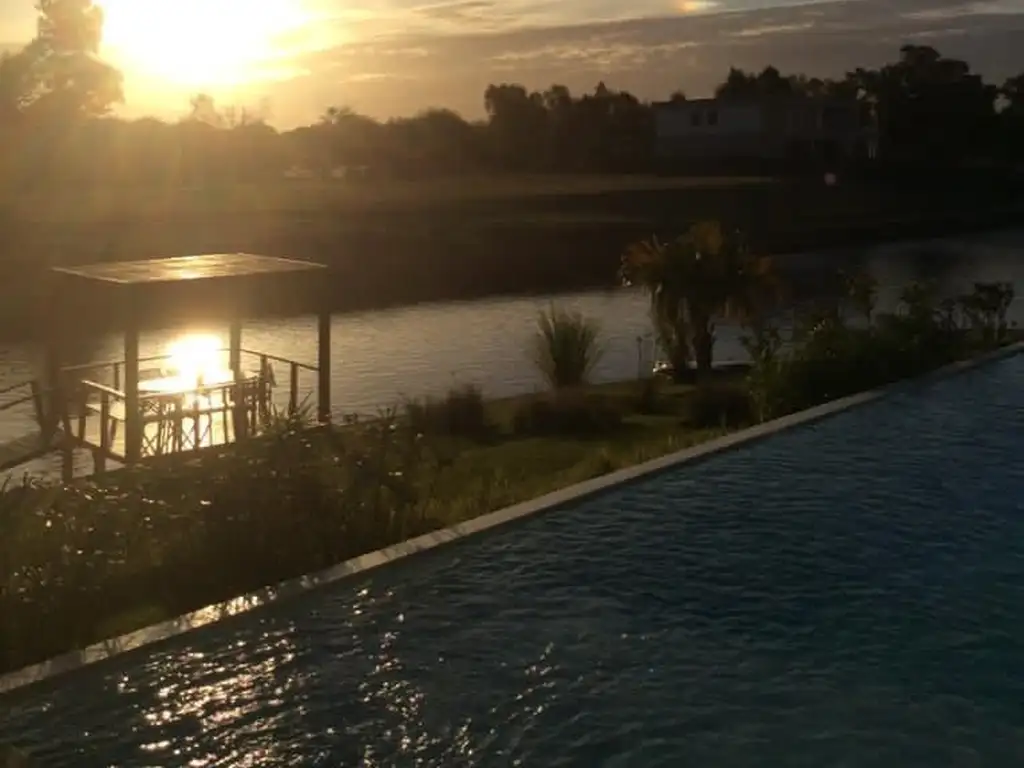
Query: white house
x=779, y=128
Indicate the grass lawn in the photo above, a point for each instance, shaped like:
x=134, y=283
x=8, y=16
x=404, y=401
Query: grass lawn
x=107, y=556
x=508, y=469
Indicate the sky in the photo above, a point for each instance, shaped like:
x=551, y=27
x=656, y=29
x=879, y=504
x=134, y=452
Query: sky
x=396, y=57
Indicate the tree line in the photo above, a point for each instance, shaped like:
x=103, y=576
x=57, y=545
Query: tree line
x=57, y=95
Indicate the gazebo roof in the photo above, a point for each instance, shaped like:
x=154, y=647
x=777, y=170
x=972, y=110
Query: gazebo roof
x=183, y=268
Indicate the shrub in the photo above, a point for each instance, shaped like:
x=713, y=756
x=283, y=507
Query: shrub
x=574, y=416
x=565, y=347
x=460, y=413
x=830, y=359
x=985, y=310
x=80, y=561
x=710, y=406
x=648, y=400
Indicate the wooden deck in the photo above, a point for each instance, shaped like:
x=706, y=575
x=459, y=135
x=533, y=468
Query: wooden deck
x=173, y=422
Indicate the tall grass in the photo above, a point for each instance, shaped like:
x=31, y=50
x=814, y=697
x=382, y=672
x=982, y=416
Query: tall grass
x=460, y=413
x=566, y=347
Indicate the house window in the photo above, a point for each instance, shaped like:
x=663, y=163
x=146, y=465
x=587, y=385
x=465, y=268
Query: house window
x=713, y=117
x=695, y=119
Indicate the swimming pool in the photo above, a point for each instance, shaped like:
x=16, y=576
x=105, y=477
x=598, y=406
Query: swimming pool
x=846, y=593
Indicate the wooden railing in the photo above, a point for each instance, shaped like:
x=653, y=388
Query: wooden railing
x=294, y=366
x=172, y=422
x=110, y=402
x=116, y=368
x=262, y=359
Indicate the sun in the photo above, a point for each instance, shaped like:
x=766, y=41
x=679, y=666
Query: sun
x=201, y=43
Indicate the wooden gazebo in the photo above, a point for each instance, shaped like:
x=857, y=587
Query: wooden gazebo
x=125, y=410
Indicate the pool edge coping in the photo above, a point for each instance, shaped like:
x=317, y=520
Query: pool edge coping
x=105, y=650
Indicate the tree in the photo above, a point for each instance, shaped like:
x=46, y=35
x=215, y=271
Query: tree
x=692, y=280
x=1011, y=119
x=516, y=118
x=65, y=78
x=931, y=110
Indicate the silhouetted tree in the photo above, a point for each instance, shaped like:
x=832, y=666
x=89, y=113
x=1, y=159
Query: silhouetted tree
x=66, y=79
x=931, y=110
x=517, y=117
x=55, y=95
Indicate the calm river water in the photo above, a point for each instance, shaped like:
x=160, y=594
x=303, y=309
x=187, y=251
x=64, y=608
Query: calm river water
x=379, y=358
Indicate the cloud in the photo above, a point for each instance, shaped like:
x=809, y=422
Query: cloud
x=697, y=6
x=958, y=9
x=458, y=9
x=688, y=50
x=773, y=29
x=608, y=55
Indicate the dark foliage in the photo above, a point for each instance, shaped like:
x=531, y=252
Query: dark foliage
x=156, y=542
x=716, y=405
x=566, y=414
x=460, y=413
x=831, y=357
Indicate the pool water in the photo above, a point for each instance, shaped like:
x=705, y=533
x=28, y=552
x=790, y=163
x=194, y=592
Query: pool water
x=849, y=593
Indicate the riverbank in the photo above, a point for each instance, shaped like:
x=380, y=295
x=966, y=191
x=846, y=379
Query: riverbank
x=457, y=248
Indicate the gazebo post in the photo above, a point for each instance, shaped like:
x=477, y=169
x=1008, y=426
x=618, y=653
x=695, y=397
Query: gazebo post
x=235, y=346
x=132, y=406
x=323, y=363
x=238, y=423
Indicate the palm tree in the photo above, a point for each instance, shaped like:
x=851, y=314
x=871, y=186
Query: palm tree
x=703, y=274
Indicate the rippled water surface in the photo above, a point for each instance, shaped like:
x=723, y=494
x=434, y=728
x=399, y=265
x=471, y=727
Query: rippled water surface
x=845, y=594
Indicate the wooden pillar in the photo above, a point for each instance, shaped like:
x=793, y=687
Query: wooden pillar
x=235, y=347
x=133, y=414
x=324, y=364
x=53, y=403
x=238, y=423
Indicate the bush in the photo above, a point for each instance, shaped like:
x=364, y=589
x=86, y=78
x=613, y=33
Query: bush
x=648, y=400
x=830, y=359
x=565, y=415
x=462, y=412
x=711, y=406
x=985, y=309
x=85, y=561
x=565, y=348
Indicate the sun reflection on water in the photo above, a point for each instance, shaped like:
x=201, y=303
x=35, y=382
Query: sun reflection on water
x=195, y=360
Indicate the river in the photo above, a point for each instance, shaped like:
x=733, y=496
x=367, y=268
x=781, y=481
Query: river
x=380, y=358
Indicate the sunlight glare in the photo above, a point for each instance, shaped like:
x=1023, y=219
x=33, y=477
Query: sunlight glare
x=202, y=43
x=196, y=359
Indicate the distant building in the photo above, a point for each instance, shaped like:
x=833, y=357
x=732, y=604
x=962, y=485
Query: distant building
x=791, y=128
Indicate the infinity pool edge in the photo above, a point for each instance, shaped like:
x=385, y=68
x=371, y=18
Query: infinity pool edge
x=204, y=617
